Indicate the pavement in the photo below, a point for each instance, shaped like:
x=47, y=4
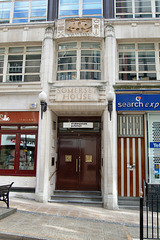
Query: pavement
x=55, y=221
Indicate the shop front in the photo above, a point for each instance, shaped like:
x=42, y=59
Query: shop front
x=138, y=141
x=18, y=148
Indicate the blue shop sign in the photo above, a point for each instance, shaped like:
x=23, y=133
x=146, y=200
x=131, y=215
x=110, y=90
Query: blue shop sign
x=138, y=102
x=154, y=144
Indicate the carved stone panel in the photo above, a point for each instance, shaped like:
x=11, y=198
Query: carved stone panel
x=60, y=28
x=79, y=27
x=77, y=94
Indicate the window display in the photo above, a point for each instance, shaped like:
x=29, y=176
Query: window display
x=18, y=143
x=154, y=147
x=7, y=151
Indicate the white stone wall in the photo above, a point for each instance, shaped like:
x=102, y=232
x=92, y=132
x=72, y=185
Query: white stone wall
x=20, y=96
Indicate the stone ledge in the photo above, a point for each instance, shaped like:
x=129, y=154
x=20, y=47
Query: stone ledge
x=5, y=212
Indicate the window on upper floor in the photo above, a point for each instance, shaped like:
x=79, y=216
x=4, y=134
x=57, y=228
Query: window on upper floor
x=139, y=61
x=22, y=11
x=79, y=61
x=80, y=8
x=137, y=8
x=20, y=64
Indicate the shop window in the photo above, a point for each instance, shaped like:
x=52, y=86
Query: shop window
x=27, y=152
x=7, y=151
x=15, y=11
x=18, y=150
x=23, y=64
x=137, y=8
x=138, y=61
x=154, y=147
x=80, y=60
x=80, y=8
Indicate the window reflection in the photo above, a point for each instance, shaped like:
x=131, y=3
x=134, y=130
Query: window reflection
x=7, y=151
x=5, y=12
x=79, y=64
x=80, y=8
x=137, y=62
x=27, y=151
x=23, y=11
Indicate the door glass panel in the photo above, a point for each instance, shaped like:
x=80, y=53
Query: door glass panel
x=7, y=151
x=27, y=152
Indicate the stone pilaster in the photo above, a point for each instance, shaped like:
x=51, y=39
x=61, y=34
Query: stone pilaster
x=44, y=141
x=110, y=55
x=110, y=126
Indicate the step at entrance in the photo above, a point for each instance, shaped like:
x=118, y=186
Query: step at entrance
x=91, y=198
x=128, y=203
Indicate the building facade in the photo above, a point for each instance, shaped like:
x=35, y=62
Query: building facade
x=97, y=63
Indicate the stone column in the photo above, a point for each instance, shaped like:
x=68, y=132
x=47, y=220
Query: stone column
x=45, y=124
x=110, y=125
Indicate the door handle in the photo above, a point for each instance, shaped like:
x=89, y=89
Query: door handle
x=76, y=165
x=131, y=167
x=79, y=164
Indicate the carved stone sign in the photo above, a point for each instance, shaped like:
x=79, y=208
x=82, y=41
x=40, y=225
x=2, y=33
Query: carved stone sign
x=79, y=26
x=77, y=94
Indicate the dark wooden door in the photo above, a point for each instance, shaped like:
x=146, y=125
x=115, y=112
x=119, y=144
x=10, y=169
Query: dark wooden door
x=78, y=163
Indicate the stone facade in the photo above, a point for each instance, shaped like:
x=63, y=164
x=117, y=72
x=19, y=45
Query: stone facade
x=72, y=98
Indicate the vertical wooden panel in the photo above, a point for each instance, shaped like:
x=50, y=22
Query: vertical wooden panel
x=125, y=167
x=119, y=167
x=137, y=167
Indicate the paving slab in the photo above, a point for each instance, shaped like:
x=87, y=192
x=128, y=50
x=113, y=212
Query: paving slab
x=52, y=221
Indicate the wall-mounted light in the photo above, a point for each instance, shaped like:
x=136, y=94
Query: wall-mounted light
x=110, y=98
x=43, y=98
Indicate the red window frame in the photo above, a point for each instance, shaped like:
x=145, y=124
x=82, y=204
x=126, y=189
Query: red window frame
x=18, y=132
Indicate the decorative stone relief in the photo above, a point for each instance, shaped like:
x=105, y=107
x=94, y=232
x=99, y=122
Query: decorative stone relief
x=49, y=33
x=79, y=27
x=96, y=27
x=109, y=31
x=60, y=28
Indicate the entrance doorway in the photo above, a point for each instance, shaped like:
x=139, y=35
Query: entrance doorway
x=131, y=155
x=78, y=162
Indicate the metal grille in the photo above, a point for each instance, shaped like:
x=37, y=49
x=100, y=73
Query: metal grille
x=156, y=138
x=156, y=131
x=130, y=126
